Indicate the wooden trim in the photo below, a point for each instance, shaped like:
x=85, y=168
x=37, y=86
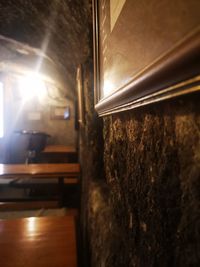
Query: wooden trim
x=79, y=81
x=186, y=87
x=96, y=51
x=162, y=79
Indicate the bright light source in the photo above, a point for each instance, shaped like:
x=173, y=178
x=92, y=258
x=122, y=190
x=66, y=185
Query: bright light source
x=1, y=111
x=32, y=86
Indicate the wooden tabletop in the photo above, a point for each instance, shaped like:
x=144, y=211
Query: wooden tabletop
x=38, y=170
x=38, y=242
x=59, y=149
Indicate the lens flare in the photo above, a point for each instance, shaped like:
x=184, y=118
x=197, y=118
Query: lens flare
x=32, y=86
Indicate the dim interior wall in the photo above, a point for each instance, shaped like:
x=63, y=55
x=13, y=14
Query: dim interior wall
x=36, y=116
x=145, y=210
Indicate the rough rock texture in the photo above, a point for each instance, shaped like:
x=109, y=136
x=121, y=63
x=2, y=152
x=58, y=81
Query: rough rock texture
x=58, y=27
x=148, y=213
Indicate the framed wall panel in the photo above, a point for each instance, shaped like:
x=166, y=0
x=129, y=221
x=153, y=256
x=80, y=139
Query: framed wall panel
x=144, y=51
x=80, y=93
x=60, y=113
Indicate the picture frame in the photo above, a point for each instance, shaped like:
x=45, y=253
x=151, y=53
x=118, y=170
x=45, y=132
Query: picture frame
x=131, y=79
x=60, y=113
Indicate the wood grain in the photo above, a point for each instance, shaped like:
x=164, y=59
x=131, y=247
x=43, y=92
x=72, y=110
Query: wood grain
x=41, y=242
x=40, y=170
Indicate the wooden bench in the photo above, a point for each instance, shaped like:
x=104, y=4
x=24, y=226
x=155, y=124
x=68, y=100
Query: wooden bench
x=60, y=171
x=58, y=154
x=31, y=205
x=59, y=149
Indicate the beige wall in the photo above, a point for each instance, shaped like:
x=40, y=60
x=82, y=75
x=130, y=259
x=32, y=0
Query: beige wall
x=33, y=115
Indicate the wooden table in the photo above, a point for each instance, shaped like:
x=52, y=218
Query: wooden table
x=40, y=170
x=38, y=242
x=59, y=171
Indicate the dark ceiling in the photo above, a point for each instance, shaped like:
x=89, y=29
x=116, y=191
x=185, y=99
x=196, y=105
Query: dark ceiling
x=61, y=28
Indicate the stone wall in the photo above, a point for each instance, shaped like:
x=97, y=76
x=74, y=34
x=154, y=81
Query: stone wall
x=147, y=210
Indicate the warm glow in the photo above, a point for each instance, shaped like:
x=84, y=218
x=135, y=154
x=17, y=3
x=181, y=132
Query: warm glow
x=108, y=87
x=31, y=224
x=32, y=86
x=1, y=111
